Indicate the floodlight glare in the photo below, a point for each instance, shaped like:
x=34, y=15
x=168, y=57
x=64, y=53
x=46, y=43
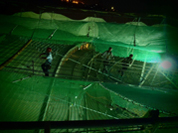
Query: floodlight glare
x=166, y=64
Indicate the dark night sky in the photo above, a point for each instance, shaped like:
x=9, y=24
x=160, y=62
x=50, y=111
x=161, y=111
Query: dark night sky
x=134, y=3
x=130, y=2
x=119, y=3
x=138, y=5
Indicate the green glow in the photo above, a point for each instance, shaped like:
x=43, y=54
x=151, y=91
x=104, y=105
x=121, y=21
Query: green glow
x=150, y=40
x=26, y=100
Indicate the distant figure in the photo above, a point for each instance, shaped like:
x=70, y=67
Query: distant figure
x=47, y=65
x=106, y=59
x=88, y=34
x=125, y=64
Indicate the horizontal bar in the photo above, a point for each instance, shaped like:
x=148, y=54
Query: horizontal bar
x=85, y=123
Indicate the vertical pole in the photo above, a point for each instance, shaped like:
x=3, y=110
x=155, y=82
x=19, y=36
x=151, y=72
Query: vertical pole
x=143, y=70
x=154, y=75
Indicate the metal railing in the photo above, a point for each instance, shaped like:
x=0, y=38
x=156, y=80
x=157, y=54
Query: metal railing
x=48, y=125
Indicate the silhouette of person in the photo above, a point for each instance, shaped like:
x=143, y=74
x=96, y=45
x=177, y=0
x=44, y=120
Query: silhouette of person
x=48, y=57
x=107, y=55
x=125, y=64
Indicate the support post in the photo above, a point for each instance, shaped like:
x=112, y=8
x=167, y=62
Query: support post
x=146, y=77
x=168, y=79
x=143, y=70
x=154, y=76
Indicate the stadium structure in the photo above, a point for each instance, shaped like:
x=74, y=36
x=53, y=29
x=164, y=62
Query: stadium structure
x=77, y=96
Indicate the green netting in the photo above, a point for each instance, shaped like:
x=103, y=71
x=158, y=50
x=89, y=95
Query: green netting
x=154, y=39
x=50, y=99
x=75, y=92
x=9, y=46
x=44, y=98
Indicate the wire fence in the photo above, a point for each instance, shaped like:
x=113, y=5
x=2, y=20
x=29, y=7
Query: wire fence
x=82, y=64
x=78, y=66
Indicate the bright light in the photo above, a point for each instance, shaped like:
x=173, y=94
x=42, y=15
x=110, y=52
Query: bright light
x=75, y=2
x=112, y=8
x=166, y=64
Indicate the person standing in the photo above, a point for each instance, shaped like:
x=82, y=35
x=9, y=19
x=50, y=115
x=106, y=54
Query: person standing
x=125, y=64
x=107, y=56
x=48, y=57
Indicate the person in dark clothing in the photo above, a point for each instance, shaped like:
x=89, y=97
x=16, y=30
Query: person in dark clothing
x=125, y=64
x=48, y=57
x=107, y=56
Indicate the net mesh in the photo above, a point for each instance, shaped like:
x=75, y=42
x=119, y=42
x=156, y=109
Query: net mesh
x=76, y=88
x=155, y=39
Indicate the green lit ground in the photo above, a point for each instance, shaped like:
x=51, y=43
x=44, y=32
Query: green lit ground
x=76, y=90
